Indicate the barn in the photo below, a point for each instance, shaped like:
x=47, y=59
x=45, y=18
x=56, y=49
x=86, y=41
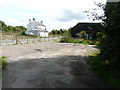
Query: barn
x=90, y=28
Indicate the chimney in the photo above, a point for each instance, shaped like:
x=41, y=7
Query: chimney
x=29, y=20
x=41, y=22
x=33, y=19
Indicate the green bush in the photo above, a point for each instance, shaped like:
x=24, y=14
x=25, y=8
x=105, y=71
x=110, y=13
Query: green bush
x=100, y=35
x=3, y=61
x=102, y=68
x=83, y=34
x=80, y=41
x=72, y=40
x=66, y=40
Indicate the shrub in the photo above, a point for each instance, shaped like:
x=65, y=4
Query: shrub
x=83, y=34
x=72, y=40
x=66, y=40
x=102, y=68
x=3, y=61
x=100, y=35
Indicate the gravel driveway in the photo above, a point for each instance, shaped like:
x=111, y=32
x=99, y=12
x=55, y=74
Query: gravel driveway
x=49, y=65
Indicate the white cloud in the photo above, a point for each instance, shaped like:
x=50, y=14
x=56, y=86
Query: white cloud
x=3, y=3
x=71, y=14
x=55, y=13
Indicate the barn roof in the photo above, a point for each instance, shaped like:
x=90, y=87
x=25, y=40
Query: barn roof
x=93, y=27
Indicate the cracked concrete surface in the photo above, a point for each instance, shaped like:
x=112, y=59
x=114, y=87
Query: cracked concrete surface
x=49, y=65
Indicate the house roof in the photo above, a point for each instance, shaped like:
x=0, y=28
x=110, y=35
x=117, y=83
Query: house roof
x=40, y=24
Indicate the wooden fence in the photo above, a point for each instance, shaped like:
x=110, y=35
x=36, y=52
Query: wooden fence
x=8, y=39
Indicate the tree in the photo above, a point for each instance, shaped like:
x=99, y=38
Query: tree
x=110, y=44
x=94, y=13
x=9, y=28
x=61, y=31
x=22, y=28
x=58, y=32
x=3, y=25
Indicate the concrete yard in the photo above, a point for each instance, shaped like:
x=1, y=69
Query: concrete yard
x=49, y=65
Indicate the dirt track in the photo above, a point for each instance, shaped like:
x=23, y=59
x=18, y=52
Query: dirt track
x=49, y=65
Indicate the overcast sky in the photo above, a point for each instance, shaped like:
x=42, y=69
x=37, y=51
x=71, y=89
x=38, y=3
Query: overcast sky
x=55, y=14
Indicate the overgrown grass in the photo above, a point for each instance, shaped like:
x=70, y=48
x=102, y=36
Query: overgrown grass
x=3, y=62
x=81, y=41
x=103, y=69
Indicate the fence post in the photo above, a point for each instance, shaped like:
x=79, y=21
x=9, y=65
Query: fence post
x=16, y=40
x=40, y=39
x=48, y=38
x=34, y=38
x=27, y=39
x=53, y=38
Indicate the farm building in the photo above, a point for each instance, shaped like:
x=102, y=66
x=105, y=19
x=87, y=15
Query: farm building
x=90, y=28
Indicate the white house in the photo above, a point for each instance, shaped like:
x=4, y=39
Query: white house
x=36, y=28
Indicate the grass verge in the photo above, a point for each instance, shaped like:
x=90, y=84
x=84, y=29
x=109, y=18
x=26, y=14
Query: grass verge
x=80, y=41
x=103, y=69
x=3, y=62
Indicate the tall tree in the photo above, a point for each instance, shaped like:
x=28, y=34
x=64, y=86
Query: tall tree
x=110, y=44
